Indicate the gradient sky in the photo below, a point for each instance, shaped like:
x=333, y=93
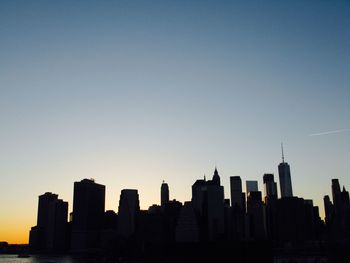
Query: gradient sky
x=134, y=92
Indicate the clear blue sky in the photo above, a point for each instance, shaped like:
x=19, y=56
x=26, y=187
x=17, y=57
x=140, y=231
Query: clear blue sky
x=134, y=92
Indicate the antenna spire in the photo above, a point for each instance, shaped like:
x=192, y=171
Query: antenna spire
x=282, y=152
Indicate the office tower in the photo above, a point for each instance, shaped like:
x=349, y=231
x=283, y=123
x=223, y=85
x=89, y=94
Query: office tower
x=164, y=194
x=50, y=232
x=235, y=225
x=335, y=189
x=236, y=191
x=338, y=214
x=187, y=228
x=285, y=179
x=109, y=230
x=128, y=210
x=43, y=208
x=149, y=227
x=255, y=212
x=171, y=212
x=344, y=196
x=340, y=199
x=208, y=204
x=294, y=219
x=88, y=214
x=318, y=223
x=270, y=186
x=198, y=195
x=328, y=209
x=216, y=213
x=309, y=219
x=336, y=195
x=251, y=186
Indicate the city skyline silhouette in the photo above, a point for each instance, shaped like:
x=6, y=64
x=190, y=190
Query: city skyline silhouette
x=134, y=93
x=267, y=224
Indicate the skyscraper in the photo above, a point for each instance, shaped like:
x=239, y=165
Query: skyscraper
x=128, y=209
x=285, y=179
x=43, y=208
x=236, y=191
x=251, y=186
x=208, y=204
x=88, y=214
x=336, y=195
x=255, y=211
x=338, y=213
x=270, y=186
x=328, y=209
x=237, y=216
x=50, y=232
x=215, y=209
x=187, y=228
x=164, y=194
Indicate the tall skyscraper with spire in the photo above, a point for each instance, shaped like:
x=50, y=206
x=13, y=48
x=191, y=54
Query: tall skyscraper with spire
x=285, y=179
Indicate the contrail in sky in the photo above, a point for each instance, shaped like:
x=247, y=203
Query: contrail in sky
x=329, y=132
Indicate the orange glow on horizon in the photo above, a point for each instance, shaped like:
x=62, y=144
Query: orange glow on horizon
x=15, y=234
x=15, y=226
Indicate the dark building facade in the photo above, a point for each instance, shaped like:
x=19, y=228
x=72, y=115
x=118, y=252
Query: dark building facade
x=236, y=192
x=171, y=211
x=208, y=203
x=128, y=211
x=251, y=186
x=88, y=215
x=297, y=220
x=236, y=220
x=50, y=233
x=337, y=214
x=256, y=216
x=187, y=228
x=164, y=194
x=270, y=186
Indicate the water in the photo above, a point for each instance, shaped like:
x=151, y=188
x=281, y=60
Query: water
x=39, y=259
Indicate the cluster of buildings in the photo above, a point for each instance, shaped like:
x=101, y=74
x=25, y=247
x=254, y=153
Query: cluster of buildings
x=208, y=217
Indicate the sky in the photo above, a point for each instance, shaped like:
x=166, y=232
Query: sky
x=131, y=93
